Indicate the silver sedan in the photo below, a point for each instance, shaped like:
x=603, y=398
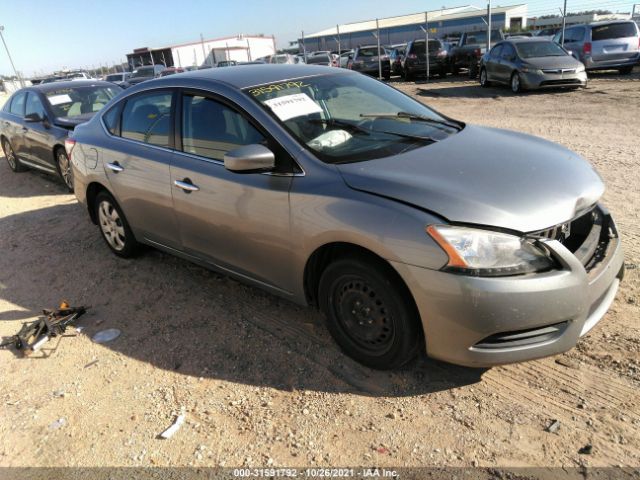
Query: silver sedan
x=411, y=231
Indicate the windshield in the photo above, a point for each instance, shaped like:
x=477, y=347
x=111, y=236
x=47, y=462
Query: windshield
x=143, y=72
x=76, y=101
x=114, y=78
x=539, y=49
x=318, y=59
x=480, y=37
x=350, y=118
x=418, y=46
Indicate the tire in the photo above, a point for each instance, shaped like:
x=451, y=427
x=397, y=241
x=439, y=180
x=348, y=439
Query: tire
x=516, y=86
x=64, y=168
x=387, y=76
x=625, y=70
x=408, y=76
x=114, y=227
x=473, y=71
x=483, y=78
x=349, y=291
x=11, y=157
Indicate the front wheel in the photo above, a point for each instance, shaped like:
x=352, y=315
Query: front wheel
x=10, y=155
x=516, y=85
x=484, y=82
x=114, y=227
x=369, y=315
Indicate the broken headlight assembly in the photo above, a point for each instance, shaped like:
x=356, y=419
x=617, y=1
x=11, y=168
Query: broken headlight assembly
x=478, y=252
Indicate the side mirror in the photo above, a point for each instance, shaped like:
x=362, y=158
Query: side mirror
x=32, y=118
x=250, y=158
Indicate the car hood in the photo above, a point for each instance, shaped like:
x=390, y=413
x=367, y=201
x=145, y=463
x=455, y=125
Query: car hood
x=566, y=61
x=71, y=122
x=485, y=176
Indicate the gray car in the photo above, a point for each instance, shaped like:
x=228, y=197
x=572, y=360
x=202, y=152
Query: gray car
x=531, y=64
x=411, y=231
x=604, y=45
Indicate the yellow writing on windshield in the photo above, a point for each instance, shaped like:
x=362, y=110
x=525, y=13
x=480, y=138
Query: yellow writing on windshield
x=276, y=87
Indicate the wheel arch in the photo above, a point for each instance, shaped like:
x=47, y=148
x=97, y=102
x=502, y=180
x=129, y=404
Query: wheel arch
x=324, y=255
x=93, y=189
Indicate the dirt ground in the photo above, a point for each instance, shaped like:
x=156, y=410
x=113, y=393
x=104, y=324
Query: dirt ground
x=260, y=380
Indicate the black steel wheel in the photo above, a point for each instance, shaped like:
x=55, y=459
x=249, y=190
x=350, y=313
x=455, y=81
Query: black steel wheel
x=369, y=313
x=10, y=155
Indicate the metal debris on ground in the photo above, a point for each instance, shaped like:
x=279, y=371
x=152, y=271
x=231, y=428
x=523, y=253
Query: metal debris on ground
x=169, y=432
x=33, y=335
x=108, y=335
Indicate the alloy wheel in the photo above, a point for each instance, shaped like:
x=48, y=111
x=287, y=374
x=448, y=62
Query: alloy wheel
x=9, y=155
x=65, y=169
x=111, y=225
x=515, y=83
x=483, y=77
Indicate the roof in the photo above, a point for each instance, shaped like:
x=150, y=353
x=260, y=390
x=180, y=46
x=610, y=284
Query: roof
x=144, y=50
x=48, y=87
x=411, y=19
x=243, y=76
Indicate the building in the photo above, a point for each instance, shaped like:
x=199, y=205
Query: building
x=556, y=21
x=242, y=48
x=447, y=21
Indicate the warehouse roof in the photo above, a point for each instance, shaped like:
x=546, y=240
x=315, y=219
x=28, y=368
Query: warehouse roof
x=411, y=19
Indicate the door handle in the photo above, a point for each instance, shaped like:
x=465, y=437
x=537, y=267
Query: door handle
x=186, y=185
x=115, y=166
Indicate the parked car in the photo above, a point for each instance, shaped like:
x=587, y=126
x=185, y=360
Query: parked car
x=78, y=75
x=171, y=71
x=527, y=34
x=300, y=58
x=396, y=56
x=36, y=120
x=147, y=72
x=119, y=79
x=467, y=52
x=344, y=58
x=282, y=58
x=604, y=45
x=410, y=230
x=227, y=63
x=528, y=64
x=546, y=33
x=321, y=59
x=365, y=60
x=414, y=62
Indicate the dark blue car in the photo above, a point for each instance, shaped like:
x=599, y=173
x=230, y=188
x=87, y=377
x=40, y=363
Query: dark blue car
x=36, y=120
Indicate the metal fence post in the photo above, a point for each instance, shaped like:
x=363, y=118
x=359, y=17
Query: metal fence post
x=379, y=56
x=564, y=20
x=489, y=26
x=339, y=51
x=304, y=48
x=426, y=42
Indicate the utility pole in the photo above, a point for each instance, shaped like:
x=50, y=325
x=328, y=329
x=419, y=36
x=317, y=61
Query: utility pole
x=204, y=55
x=379, y=54
x=10, y=59
x=426, y=43
x=564, y=20
x=489, y=25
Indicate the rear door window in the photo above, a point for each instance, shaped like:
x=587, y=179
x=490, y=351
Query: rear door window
x=613, y=30
x=17, y=104
x=496, y=51
x=147, y=118
x=573, y=35
x=508, y=52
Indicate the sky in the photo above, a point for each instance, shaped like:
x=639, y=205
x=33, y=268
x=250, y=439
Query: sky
x=47, y=35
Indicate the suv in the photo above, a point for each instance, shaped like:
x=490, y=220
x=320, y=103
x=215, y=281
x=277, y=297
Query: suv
x=365, y=60
x=414, y=61
x=145, y=73
x=604, y=45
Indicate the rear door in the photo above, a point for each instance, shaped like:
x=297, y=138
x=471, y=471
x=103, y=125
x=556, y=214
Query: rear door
x=238, y=222
x=492, y=65
x=506, y=64
x=614, y=41
x=574, y=39
x=136, y=163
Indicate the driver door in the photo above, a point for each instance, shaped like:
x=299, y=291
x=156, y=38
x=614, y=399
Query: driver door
x=237, y=222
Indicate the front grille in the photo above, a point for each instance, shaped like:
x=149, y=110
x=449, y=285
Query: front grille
x=587, y=236
x=558, y=71
x=522, y=338
x=568, y=81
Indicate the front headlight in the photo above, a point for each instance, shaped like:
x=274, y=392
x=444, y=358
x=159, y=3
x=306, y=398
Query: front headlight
x=486, y=253
x=580, y=69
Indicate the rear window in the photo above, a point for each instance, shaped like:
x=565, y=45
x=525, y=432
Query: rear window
x=418, y=47
x=613, y=30
x=368, y=52
x=318, y=59
x=76, y=101
x=114, y=78
x=143, y=72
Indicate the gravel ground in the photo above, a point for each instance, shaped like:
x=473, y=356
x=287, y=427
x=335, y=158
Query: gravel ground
x=260, y=380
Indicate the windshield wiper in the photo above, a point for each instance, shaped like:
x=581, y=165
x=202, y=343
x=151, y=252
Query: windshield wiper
x=411, y=116
x=406, y=135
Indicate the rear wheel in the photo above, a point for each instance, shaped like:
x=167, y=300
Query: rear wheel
x=114, y=226
x=369, y=315
x=516, y=86
x=64, y=168
x=10, y=155
x=626, y=70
